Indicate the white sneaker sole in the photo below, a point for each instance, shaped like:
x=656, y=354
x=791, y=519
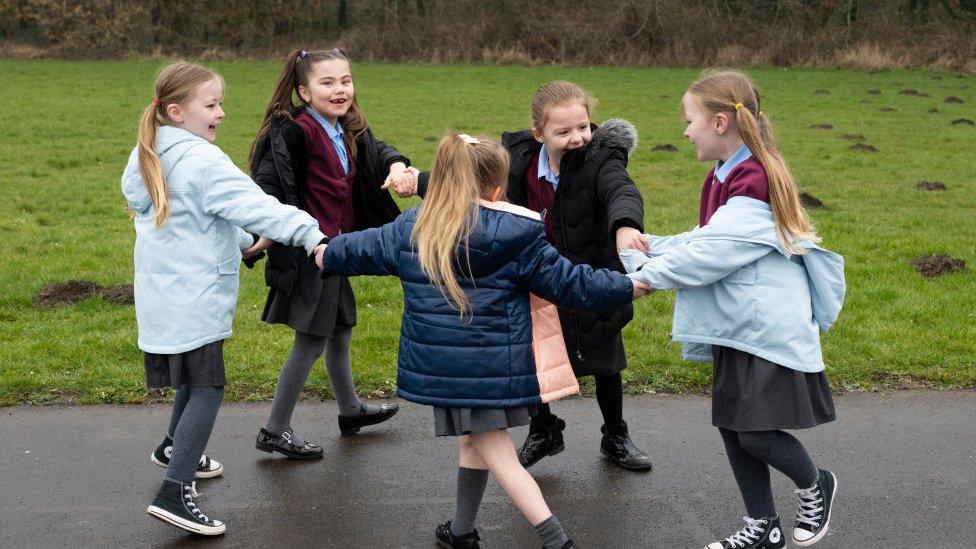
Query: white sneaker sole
x=199, y=474
x=820, y=535
x=170, y=518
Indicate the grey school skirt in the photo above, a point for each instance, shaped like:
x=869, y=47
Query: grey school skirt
x=203, y=366
x=315, y=306
x=454, y=422
x=750, y=393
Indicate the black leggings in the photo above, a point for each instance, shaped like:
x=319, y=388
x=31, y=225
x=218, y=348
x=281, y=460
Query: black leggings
x=609, y=396
x=750, y=455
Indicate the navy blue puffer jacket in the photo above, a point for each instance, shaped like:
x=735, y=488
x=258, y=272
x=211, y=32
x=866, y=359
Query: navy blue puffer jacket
x=486, y=362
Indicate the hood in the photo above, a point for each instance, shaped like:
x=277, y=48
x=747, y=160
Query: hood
x=171, y=145
x=615, y=133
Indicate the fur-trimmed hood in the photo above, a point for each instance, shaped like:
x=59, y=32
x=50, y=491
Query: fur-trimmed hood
x=615, y=133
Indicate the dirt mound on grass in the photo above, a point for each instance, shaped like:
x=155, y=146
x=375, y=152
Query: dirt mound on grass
x=887, y=109
x=913, y=93
x=864, y=147
x=667, y=147
x=810, y=202
x=67, y=293
x=822, y=127
x=937, y=264
x=930, y=186
x=953, y=99
x=821, y=92
x=873, y=92
x=965, y=121
x=852, y=137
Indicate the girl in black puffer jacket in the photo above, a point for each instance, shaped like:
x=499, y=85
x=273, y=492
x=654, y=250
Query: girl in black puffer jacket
x=576, y=174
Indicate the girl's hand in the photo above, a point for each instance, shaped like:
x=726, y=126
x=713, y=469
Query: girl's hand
x=630, y=238
x=641, y=289
x=319, y=252
x=258, y=247
x=402, y=179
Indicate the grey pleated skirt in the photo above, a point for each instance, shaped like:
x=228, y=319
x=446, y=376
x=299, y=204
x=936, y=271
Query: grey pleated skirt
x=315, y=306
x=454, y=422
x=203, y=366
x=750, y=393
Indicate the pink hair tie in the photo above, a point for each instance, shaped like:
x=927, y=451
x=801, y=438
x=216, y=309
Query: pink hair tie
x=156, y=101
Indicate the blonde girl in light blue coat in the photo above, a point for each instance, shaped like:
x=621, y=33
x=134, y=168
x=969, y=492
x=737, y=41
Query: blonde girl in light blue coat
x=194, y=213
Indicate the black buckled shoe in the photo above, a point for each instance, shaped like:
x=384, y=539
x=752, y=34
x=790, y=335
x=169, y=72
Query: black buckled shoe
x=617, y=447
x=760, y=533
x=370, y=415
x=285, y=445
x=175, y=504
x=545, y=439
x=206, y=468
x=447, y=539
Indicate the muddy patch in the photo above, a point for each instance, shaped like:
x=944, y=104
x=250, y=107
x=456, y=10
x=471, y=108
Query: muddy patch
x=887, y=109
x=852, y=137
x=933, y=111
x=67, y=293
x=953, y=99
x=930, y=186
x=821, y=91
x=937, y=264
x=864, y=147
x=822, y=127
x=430, y=139
x=666, y=147
x=960, y=121
x=810, y=202
x=873, y=92
x=913, y=93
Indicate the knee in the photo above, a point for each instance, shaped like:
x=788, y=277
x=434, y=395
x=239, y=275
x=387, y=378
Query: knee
x=753, y=441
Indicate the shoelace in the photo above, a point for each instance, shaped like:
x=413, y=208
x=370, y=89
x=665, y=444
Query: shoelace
x=751, y=533
x=191, y=493
x=809, y=506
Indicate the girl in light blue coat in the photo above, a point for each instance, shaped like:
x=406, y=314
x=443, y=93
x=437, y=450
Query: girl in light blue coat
x=753, y=292
x=192, y=208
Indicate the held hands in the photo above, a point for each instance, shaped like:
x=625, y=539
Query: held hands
x=402, y=179
x=319, y=252
x=258, y=247
x=641, y=289
x=630, y=238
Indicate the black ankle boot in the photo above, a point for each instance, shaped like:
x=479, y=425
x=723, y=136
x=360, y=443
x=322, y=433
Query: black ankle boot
x=446, y=538
x=617, y=446
x=176, y=504
x=284, y=445
x=369, y=415
x=545, y=439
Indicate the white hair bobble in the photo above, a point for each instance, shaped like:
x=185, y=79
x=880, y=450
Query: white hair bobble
x=468, y=139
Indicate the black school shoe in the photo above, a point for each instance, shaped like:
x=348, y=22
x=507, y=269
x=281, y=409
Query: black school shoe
x=813, y=507
x=447, y=539
x=207, y=468
x=285, y=445
x=545, y=439
x=568, y=545
x=176, y=504
x=370, y=415
x=617, y=446
x=761, y=533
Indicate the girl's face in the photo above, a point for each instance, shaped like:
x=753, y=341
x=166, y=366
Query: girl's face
x=705, y=130
x=330, y=89
x=567, y=127
x=202, y=112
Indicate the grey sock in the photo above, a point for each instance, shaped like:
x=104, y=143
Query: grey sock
x=193, y=431
x=179, y=403
x=307, y=349
x=551, y=533
x=470, y=488
x=338, y=363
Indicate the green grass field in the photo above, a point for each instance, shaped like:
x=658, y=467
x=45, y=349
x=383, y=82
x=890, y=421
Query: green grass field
x=67, y=129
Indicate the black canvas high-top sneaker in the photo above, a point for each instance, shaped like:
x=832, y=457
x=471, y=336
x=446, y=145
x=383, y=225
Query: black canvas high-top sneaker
x=813, y=506
x=176, y=504
x=207, y=468
x=759, y=533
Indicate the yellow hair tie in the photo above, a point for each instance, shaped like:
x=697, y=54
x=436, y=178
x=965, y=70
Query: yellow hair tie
x=760, y=113
x=738, y=106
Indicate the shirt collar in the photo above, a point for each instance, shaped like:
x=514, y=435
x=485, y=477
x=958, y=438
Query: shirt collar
x=332, y=130
x=543, y=171
x=722, y=169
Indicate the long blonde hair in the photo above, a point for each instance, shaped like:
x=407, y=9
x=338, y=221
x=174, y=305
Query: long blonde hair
x=733, y=92
x=465, y=169
x=175, y=83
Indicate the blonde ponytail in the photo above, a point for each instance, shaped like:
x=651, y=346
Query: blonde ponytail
x=175, y=83
x=465, y=169
x=733, y=91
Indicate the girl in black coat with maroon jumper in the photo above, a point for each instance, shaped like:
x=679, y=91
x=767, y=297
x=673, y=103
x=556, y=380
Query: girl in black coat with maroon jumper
x=576, y=174
x=321, y=157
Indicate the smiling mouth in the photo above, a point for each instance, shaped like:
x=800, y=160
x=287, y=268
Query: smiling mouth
x=338, y=101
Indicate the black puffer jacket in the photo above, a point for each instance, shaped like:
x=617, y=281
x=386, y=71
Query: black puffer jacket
x=279, y=166
x=595, y=197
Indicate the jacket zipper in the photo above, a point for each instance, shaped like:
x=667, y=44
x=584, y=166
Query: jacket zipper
x=562, y=232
